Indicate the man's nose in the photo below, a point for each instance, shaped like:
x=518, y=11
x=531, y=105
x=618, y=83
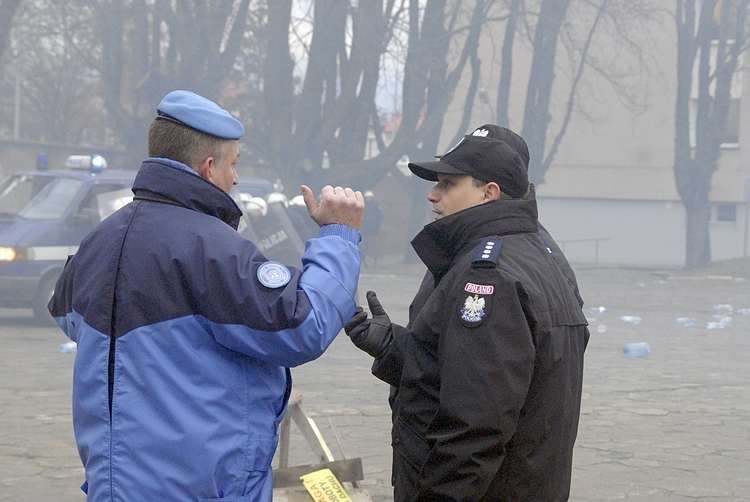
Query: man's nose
x=432, y=196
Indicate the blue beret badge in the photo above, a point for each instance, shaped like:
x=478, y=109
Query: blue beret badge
x=273, y=275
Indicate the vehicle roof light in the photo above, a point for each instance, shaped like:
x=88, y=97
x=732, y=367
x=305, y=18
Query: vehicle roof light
x=98, y=162
x=94, y=163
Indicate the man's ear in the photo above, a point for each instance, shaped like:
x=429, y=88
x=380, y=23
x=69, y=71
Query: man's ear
x=492, y=191
x=204, y=168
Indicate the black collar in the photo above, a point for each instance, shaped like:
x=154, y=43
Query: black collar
x=185, y=189
x=440, y=242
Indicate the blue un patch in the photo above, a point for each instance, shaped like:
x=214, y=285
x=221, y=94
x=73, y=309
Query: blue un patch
x=273, y=275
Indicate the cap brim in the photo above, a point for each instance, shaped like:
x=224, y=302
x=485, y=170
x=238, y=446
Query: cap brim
x=429, y=170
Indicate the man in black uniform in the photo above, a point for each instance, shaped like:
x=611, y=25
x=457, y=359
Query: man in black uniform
x=487, y=375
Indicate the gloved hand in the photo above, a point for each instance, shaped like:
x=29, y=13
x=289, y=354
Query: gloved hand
x=372, y=335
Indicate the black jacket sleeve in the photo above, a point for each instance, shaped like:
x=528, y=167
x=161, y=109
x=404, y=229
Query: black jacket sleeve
x=485, y=372
x=388, y=366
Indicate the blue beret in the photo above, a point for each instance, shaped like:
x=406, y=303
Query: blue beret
x=199, y=113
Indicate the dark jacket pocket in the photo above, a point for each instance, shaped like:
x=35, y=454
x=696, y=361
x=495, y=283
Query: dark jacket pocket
x=409, y=444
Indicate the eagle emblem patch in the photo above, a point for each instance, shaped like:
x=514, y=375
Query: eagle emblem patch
x=473, y=312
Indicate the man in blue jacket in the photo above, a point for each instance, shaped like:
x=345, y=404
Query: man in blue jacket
x=185, y=331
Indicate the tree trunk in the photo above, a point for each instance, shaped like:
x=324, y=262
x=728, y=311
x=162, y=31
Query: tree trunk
x=359, y=80
x=319, y=87
x=428, y=57
x=7, y=11
x=550, y=155
x=471, y=95
x=278, y=86
x=717, y=62
x=506, y=65
x=697, y=238
x=536, y=116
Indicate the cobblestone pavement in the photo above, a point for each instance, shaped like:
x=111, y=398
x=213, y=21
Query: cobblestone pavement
x=670, y=427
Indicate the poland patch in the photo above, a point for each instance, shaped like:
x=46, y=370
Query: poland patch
x=479, y=289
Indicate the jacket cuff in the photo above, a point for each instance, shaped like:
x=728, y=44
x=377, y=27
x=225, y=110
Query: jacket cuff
x=344, y=231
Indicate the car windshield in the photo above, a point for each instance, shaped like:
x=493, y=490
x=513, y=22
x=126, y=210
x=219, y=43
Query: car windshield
x=17, y=190
x=53, y=200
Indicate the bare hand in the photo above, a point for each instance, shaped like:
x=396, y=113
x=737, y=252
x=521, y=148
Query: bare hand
x=336, y=205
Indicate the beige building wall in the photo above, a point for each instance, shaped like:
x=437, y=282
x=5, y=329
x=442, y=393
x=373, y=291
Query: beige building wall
x=612, y=177
x=609, y=150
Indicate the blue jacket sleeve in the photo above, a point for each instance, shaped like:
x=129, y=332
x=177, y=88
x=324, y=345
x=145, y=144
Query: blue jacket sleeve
x=305, y=317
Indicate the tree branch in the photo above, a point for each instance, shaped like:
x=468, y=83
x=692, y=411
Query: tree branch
x=574, y=87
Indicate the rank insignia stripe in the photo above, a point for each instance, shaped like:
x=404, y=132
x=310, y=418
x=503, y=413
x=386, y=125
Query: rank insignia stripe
x=487, y=252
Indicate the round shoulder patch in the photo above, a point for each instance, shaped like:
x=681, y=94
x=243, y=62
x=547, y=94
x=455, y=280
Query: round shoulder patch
x=273, y=275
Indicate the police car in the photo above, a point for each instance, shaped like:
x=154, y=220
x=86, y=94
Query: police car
x=44, y=215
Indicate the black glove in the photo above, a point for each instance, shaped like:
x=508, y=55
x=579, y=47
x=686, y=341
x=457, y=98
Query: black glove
x=371, y=335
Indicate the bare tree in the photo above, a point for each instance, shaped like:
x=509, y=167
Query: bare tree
x=506, y=63
x=148, y=48
x=536, y=118
x=58, y=85
x=278, y=87
x=711, y=35
x=327, y=119
x=7, y=11
x=580, y=28
x=582, y=61
x=329, y=115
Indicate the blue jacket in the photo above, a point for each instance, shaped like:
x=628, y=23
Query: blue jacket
x=181, y=376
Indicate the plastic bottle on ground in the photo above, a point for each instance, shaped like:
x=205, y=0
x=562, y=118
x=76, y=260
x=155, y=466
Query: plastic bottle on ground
x=636, y=349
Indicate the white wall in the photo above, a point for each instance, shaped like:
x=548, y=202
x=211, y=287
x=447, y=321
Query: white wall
x=642, y=233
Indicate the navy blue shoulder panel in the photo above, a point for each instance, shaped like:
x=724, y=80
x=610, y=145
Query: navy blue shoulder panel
x=487, y=252
x=179, y=262
x=88, y=280
x=171, y=262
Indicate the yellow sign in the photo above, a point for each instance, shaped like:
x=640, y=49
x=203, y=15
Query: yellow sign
x=323, y=486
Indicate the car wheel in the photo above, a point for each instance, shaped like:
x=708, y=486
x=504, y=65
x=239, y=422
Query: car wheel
x=41, y=300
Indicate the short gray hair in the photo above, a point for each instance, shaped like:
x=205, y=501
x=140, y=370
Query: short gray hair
x=170, y=140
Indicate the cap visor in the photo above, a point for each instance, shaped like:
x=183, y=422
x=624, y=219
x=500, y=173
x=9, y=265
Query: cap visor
x=429, y=170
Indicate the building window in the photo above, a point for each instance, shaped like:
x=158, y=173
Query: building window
x=726, y=212
x=719, y=7
x=731, y=136
x=732, y=129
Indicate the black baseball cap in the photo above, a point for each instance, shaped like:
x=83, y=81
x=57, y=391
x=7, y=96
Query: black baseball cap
x=486, y=159
x=513, y=140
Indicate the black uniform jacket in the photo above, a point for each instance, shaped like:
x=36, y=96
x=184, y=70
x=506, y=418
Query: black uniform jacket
x=487, y=375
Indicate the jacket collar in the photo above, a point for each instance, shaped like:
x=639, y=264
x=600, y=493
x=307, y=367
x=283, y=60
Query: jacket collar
x=440, y=242
x=168, y=180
